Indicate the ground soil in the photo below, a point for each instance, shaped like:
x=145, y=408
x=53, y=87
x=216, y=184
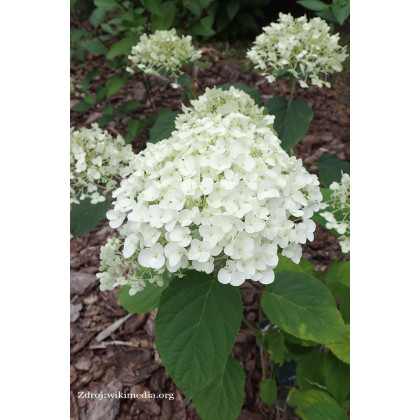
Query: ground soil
x=127, y=360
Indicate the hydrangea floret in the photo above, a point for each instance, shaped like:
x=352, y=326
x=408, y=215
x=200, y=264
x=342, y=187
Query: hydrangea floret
x=97, y=162
x=302, y=48
x=339, y=204
x=163, y=52
x=219, y=195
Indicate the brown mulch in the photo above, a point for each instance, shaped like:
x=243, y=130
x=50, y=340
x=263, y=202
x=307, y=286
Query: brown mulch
x=126, y=361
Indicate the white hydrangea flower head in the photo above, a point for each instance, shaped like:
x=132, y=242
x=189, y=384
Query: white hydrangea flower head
x=163, y=52
x=339, y=204
x=300, y=47
x=219, y=194
x=97, y=161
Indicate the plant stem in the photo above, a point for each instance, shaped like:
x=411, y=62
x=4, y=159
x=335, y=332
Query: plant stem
x=193, y=82
x=292, y=89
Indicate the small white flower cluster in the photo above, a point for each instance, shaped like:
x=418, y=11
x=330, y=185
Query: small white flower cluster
x=96, y=161
x=305, y=49
x=163, y=52
x=339, y=202
x=219, y=193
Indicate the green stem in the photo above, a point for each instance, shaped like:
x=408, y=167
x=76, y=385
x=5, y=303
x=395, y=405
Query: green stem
x=292, y=89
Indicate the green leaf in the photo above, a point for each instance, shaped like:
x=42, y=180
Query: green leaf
x=196, y=326
x=253, y=93
x=292, y=121
x=314, y=5
x=341, y=293
x=338, y=272
x=153, y=6
x=327, y=15
x=302, y=306
x=100, y=93
x=341, y=12
x=193, y=7
x=144, y=301
x=122, y=47
x=274, y=343
x=232, y=7
x=166, y=19
x=204, y=27
x=305, y=399
x=163, y=127
x=107, y=4
x=337, y=378
x=323, y=411
x=310, y=372
x=86, y=81
x=330, y=167
x=129, y=106
x=246, y=19
x=94, y=45
x=115, y=83
x=204, y=3
x=97, y=17
x=286, y=264
x=268, y=391
x=134, y=129
x=186, y=82
x=85, y=216
x=81, y=107
x=223, y=397
x=341, y=348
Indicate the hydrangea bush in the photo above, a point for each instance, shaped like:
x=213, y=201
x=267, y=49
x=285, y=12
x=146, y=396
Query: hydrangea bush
x=97, y=161
x=339, y=206
x=220, y=193
x=163, y=52
x=302, y=48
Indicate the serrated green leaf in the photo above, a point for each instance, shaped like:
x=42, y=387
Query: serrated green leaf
x=122, y=47
x=341, y=348
x=167, y=17
x=97, y=16
x=302, y=306
x=107, y=4
x=314, y=5
x=115, y=83
x=291, y=121
x=232, y=7
x=337, y=377
x=253, y=93
x=144, y=301
x=85, y=216
x=223, y=397
x=196, y=326
x=163, y=127
x=305, y=399
x=323, y=411
x=274, y=343
x=268, y=391
x=94, y=45
x=330, y=168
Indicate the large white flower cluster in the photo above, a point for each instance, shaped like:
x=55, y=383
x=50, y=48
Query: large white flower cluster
x=339, y=202
x=305, y=49
x=163, y=52
x=220, y=193
x=96, y=162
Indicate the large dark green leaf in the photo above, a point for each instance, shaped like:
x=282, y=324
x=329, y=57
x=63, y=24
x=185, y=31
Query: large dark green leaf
x=142, y=302
x=314, y=5
x=153, y=6
x=107, y=4
x=232, y=7
x=337, y=377
x=331, y=168
x=163, y=127
x=310, y=371
x=286, y=264
x=253, y=93
x=164, y=21
x=341, y=348
x=85, y=216
x=196, y=326
x=323, y=411
x=292, y=121
x=122, y=47
x=223, y=397
x=304, y=307
x=274, y=343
